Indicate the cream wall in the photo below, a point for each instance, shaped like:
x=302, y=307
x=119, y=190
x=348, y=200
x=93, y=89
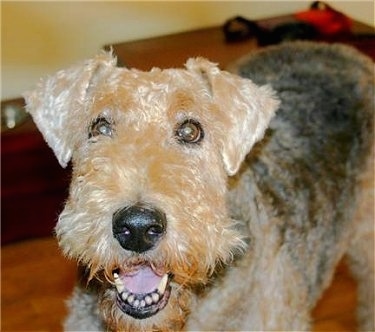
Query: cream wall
x=39, y=38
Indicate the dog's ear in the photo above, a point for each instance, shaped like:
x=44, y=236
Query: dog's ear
x=248, y=107
x=57, y=99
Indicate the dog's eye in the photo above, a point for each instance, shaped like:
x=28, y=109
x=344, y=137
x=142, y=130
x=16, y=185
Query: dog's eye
x=189, y=131
x=100, y=126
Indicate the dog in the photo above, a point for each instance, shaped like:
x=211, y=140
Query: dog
x=203, y=199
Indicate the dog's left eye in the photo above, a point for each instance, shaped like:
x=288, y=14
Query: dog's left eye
x=100, y=126
x=189, y=131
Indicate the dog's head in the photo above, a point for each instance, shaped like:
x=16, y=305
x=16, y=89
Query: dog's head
x=151, y=152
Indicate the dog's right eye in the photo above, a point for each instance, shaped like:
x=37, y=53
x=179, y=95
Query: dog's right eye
x=100, y=126
x=190, y=131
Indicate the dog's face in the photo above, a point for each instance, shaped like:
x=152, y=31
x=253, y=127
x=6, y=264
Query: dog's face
x=146, y=214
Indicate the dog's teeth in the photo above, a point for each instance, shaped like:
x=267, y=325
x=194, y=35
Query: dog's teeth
x=136, y=303
x=163, y=284
x=148, y=300
x=124, y=296
x=130, y=299
x=115, y=275
x=155, y=297
x=142, y=304
x=119, y=285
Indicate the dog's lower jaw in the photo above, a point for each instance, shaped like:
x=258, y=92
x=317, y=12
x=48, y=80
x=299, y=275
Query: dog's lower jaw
x=171, y=318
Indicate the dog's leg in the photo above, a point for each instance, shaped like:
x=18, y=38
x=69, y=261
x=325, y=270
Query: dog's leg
x=361, y=252
x=83, y=312
x=278, y=300
x=264, y=292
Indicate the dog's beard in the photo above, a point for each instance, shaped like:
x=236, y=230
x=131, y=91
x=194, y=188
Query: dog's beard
x=152, y=290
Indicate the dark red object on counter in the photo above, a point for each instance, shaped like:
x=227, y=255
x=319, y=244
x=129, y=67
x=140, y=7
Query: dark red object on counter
x=325, y=19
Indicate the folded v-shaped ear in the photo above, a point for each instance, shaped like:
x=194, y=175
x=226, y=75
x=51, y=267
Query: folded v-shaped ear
x=248, y=107
x=57, y=99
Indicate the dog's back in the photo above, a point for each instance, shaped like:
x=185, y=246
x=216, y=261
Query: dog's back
x=315, y=151
x=327, y=101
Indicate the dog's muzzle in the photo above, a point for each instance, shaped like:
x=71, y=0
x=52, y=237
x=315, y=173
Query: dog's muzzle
x=138, y=228
x=142, y=290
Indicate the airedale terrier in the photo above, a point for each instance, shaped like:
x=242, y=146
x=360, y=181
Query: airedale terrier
x=180, y=219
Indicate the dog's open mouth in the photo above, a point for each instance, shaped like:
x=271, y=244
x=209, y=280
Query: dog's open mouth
x=142, y=292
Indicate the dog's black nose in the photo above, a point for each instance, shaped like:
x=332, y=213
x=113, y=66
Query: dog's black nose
x=138, y=228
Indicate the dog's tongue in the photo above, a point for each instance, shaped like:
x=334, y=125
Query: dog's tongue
x=142, y=281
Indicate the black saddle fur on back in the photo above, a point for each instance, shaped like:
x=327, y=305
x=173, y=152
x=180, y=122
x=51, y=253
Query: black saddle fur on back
x=307, y=164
